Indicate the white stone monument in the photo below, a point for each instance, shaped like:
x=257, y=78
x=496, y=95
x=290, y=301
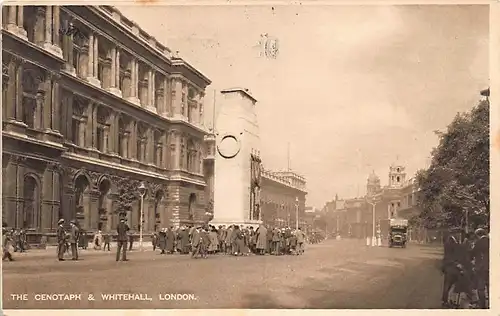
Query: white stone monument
x=237, y=140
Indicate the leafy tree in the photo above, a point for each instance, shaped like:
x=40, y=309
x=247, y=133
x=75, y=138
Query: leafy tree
x=128, y=194
x=455, y=188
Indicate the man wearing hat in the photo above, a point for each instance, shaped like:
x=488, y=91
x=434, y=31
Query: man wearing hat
x=61, y=239
x=73, y=240
x=481, y=255
x=6, y=242
x=121, y=239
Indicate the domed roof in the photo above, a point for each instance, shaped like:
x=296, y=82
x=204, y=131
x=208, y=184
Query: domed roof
x=373, y=177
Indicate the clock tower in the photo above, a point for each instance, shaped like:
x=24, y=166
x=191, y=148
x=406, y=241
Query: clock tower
x=237, y=161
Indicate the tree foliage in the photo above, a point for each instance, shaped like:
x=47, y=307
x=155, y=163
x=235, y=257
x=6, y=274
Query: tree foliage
x=128, y=194
x=456, y=185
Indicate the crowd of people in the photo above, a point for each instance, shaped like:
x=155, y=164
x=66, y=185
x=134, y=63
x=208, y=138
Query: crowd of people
x=199, y=241
x=234, y=240
x=466, y=267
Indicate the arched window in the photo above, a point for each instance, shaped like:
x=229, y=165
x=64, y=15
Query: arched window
x=31, y=207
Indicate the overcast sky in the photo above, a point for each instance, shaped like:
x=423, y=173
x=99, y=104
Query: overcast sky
x=352, y=87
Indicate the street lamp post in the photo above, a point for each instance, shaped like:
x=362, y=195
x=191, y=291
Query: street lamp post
x=296, y=213
x=374, y=238
x=142, y=192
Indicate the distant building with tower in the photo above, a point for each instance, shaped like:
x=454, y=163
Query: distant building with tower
x=397, y=199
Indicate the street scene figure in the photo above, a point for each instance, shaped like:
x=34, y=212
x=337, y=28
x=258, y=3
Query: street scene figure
x=122, y=237
x=351, y=171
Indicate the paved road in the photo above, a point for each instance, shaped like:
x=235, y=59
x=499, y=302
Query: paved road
x=334, y=274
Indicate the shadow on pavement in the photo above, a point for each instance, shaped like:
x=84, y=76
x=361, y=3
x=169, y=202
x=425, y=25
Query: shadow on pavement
x=416, y=286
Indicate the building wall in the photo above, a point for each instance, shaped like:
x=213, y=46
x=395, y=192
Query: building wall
x=89, y=113
x=278, y=203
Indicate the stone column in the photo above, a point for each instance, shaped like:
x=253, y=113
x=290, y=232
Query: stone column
x=166, y=98
x=39, y=25
x=90, y=67
x=95, y=62
x=148, y=157
x=164, y=151
x=124, y=142
x=133, y=78
x=56, y=24
x=12, y=86
x=178, y=164
x=152, y=97
x=176, y=97
x=81, y=132
x=201, y=119
x=20, y=18
x=47, y=103
x=107, y=139
x=12, y=16
x=117, y=69
x=113, y=133
x=133, y=140
x=113, y=67
x=48, y=25
x=95, y=108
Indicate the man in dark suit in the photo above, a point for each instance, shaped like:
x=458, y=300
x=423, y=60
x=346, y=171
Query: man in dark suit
x=73, y=240
x=122, y=238
x=61, y=239
x=450, y=260
x=481, y=255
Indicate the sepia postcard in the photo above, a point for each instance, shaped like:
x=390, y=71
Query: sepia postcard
x=304, y=156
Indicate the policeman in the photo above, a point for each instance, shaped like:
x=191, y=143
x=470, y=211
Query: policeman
x=122, y=230
x=61, y=239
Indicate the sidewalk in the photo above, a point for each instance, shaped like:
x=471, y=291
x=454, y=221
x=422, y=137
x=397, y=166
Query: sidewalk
x=52, y=250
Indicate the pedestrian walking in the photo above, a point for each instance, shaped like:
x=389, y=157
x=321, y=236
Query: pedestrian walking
x=122, y=230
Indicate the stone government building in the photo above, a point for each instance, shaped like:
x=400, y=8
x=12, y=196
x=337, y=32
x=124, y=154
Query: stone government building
x=92, y=106
x=397, y=199
x=278, y=198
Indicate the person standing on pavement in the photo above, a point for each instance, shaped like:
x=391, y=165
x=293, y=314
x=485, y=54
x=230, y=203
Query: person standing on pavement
x=481, y=256
x=449, y=268
x=261, y=239
x=106, y=241
x=300, y=241
x=73, y=240
x=130, y=242
x=122, y=230
x=22, y=240
x=6, y=242
x=162, y=240
x=154, y=240
x=228, y=240
x=170, y=249
x=61, y=239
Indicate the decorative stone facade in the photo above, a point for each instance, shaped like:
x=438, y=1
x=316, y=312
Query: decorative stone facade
x=279, y=191
x=89, y=113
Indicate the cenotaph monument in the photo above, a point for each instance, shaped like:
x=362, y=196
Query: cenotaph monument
x=237, y=161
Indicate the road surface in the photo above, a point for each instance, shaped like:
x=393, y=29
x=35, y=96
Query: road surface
x=333, y=274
